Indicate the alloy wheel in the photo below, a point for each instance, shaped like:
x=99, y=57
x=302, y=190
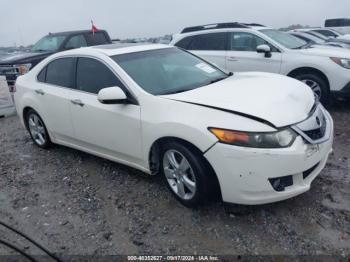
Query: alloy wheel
x=179, y=174
x=37, y=129
x=315, y=87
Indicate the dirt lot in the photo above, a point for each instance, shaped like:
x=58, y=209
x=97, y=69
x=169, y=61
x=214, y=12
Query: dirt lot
x=78, y=204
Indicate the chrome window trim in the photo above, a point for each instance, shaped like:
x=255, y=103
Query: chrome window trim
x=78, y=90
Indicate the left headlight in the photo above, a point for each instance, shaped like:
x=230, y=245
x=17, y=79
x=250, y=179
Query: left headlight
x=344, y=62
x=23, y=68
x=279, y=139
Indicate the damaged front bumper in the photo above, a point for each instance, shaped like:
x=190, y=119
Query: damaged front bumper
x=253, y=176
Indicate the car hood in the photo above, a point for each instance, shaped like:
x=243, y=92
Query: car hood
x=23, y=57
x=279, y=100
x=326, y=52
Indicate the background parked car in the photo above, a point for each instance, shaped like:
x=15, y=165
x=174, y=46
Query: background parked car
x=253, y=47
x=340, y=24
x=329, y=35
x=17, y=64
x=318, y=40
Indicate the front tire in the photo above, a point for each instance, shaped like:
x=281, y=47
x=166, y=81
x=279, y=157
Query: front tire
x=37, y=129
x=318, y=85
x=187, y=174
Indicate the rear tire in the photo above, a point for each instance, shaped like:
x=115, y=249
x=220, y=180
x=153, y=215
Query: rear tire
x=318, y=85
x=186, y=174
x=37, y=129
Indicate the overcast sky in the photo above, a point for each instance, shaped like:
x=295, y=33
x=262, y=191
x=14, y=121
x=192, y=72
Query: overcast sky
x=25, y=21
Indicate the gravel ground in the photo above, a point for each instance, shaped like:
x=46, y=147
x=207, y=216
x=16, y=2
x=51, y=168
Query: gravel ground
x=77, y=204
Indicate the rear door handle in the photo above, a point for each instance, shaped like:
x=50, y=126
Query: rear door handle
x=40, y=92
x=232, y=58
x=77, y=102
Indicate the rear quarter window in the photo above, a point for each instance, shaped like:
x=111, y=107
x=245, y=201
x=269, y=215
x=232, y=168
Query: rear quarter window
x=42, y=75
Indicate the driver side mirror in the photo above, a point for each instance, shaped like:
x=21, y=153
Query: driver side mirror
x=264, y=49
x=112, y=95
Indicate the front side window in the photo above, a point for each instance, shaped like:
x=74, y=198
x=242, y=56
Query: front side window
x=284, y=39
x=168, y=70
x=76, y=42
x=209, y=42
x=92, y=76
x=242, y=41
x=60, y=72
x=48, y=44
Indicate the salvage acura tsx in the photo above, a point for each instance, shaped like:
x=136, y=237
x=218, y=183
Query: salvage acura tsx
x=251, y=138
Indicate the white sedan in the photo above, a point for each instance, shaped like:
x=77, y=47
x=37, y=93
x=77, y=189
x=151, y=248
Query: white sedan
x=250, y=138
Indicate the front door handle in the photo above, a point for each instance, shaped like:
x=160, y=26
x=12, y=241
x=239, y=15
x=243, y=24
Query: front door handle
x=40, y=92
x=77, y=102
x=233, y=59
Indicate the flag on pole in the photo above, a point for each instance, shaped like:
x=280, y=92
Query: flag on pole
x=94, y=29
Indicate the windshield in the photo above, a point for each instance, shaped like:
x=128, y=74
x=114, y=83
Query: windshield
x=284, y=39
x=168, y=71
x=326, y=33
x=314, y=38
x=48, y=44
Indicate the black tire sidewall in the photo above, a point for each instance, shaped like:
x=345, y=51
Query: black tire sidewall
x=200, y=171
x=325, y=96
x=48, y=140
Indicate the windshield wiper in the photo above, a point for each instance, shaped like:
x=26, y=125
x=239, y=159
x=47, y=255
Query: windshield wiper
x=217, y=80
x=177, y=91
x=303, y=46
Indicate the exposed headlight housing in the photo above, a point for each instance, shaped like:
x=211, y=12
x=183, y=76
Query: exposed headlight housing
x=344, y=62
x=280, y=139
x=23, y=68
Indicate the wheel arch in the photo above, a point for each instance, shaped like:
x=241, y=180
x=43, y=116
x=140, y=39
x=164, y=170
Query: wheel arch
x=155, y=151
x=25, y=111
x=309, y=70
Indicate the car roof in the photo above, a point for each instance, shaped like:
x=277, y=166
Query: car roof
x=66, y=33
x=114, y=49
x=219, y=27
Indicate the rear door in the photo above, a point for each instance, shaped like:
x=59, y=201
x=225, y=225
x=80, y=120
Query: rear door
x=242, y=55
x=210, y=46
x=54, y=87
x=109, y=129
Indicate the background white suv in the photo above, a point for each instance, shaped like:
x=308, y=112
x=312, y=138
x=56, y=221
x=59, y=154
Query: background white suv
x=253, y=47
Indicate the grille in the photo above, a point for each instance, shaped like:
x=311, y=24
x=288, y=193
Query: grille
x=315, y=128
x=317, y=133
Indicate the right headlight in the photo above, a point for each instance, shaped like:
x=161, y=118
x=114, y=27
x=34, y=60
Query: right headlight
x=344, y=62
x=279, y=139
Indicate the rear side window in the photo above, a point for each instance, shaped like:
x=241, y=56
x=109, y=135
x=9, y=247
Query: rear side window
x=76, y=42
x=210, y=42
x=60, y=72
x=92, y=76
x=98, y=38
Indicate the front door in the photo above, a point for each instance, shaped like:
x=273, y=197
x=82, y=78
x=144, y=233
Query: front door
x=110, y=129
x=242, y=55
